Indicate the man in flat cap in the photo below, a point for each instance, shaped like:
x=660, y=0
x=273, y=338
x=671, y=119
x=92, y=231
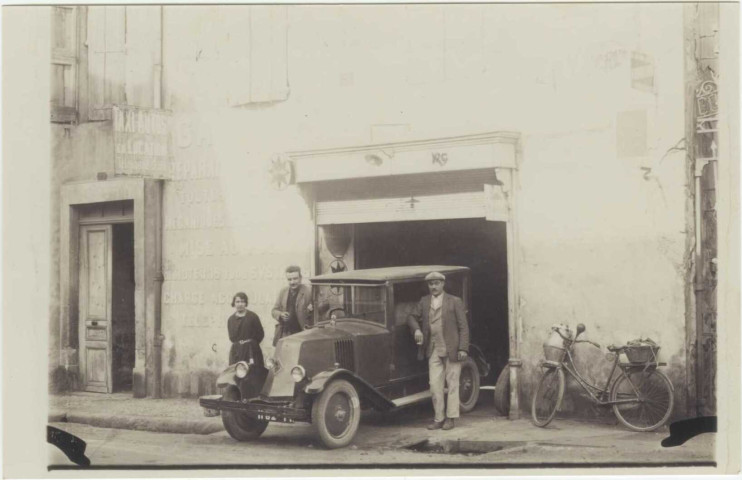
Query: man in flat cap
x=439, y=325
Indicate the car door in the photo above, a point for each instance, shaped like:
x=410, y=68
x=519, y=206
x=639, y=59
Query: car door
x=406, y=296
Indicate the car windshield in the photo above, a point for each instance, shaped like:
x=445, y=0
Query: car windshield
x=364, y=302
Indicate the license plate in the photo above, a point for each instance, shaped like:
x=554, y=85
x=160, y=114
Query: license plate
x=274, y=418
x=210, y=412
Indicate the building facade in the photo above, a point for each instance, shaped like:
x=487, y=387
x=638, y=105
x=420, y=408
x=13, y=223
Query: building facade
x=199, y=150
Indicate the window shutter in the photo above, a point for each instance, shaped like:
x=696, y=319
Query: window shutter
x=106, y=59
x=63, y=100
x=259, y=65
x=268, y=80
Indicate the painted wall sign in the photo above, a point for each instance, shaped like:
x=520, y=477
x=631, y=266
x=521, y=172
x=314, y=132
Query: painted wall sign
x=440, y=158
x=142, y=142
x=707, y=99
x=707, y=108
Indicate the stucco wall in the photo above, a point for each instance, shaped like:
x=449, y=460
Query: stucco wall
x=78, y=154
x=601, y=225
x=601, y=193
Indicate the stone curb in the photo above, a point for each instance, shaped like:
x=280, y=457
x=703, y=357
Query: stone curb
x=150, y=424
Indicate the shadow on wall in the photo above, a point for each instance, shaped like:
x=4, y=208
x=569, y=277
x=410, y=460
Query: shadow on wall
x=61, y=381
x=180, y=380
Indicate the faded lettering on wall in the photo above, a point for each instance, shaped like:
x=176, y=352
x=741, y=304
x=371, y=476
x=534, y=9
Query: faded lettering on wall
x=142, y=142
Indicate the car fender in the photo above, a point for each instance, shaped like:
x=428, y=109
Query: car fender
x=227, y=377
x=365, y=390
x=476, y=353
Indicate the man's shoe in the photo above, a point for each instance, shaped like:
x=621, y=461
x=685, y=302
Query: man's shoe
x=436, y=425
x=447, y=424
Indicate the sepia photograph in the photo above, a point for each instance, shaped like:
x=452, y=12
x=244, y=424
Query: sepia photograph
x=418, y=238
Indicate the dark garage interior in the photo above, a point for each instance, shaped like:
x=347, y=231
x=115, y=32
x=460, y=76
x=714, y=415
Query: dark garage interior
x=475, y=243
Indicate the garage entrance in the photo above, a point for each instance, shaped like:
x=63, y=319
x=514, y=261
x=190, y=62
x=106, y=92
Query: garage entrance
x=476, y=243
x=449, y=201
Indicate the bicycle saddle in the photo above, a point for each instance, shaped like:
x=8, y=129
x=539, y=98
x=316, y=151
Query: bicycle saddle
x=613, y=348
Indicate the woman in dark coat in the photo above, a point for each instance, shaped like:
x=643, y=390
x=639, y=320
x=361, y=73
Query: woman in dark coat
x=245, y=333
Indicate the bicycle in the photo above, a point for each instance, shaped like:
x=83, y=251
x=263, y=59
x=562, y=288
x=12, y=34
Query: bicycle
x=641, y=396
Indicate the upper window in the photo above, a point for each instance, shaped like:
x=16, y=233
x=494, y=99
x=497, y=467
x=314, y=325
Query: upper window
x=106, y=41
x=63, y=99
x=258, y=54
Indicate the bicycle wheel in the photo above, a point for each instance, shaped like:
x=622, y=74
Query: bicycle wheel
x=547, y=397
x=649, y=399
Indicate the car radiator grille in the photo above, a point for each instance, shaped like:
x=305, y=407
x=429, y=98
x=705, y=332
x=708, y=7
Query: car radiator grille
x=344, y=354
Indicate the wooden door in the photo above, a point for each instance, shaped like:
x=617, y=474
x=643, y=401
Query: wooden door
x=95, y=307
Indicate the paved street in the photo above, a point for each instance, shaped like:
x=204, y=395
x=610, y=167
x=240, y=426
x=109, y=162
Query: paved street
x=385, y=440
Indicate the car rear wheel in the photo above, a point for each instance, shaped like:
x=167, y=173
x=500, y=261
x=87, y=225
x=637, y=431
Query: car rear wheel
x=468, y=385
x=336, y=414
x=238, y=425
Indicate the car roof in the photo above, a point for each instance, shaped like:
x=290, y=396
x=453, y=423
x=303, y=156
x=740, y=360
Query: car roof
x=380, y=275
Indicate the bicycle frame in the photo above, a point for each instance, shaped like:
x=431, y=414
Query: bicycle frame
x=597, y=394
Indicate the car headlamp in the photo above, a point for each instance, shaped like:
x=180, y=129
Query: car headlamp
x=298, y=373
x=270, y=363
x=242, y=369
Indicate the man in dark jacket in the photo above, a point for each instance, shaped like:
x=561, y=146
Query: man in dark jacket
x=293, y=307
x=439, y=325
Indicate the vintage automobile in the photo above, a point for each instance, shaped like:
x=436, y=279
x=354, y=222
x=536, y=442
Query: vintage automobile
x=359, y=353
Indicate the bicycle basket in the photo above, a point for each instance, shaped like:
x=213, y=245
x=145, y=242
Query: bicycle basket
x=554, y=350
x=554, y=354
x=642, y=353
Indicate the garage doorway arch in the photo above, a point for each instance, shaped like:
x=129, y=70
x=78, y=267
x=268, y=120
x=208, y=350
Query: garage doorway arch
x=451, y=179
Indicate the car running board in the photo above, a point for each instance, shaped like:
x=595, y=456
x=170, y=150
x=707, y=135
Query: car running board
x=417, y=397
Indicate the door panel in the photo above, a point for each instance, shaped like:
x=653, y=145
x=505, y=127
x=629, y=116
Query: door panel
x=96, y=333
x=405, y=354
x=96, y=274
x=96, y=371
x=95, y=307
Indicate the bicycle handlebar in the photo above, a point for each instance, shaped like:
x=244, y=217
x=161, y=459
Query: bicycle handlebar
x=588, y=341
x=560, y=334
x=574, y=340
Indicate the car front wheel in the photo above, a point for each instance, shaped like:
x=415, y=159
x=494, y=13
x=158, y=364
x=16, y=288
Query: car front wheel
x=336, y=414
x=237, y=424
x=468, y=385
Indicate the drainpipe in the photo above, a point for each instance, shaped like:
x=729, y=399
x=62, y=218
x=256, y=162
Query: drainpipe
x=159, y=279
x=157, y=100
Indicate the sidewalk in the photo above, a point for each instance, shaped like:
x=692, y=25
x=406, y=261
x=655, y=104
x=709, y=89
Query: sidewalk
x=594, y=441
x=122, y=411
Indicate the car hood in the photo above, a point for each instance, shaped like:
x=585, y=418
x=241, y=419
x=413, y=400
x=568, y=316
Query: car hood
x=340, y=329
x=327, y=346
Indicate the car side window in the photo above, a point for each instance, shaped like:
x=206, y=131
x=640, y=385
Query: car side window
x=455, y=285
x=406, y=297
x=408, y=294
x=402, y=311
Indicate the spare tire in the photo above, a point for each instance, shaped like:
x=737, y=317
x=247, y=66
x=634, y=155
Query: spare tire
x=502, y=392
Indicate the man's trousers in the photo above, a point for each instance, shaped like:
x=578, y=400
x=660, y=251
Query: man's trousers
x=444, y=372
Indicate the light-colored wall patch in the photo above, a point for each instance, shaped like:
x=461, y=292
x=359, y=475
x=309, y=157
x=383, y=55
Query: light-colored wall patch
x=631, y=133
